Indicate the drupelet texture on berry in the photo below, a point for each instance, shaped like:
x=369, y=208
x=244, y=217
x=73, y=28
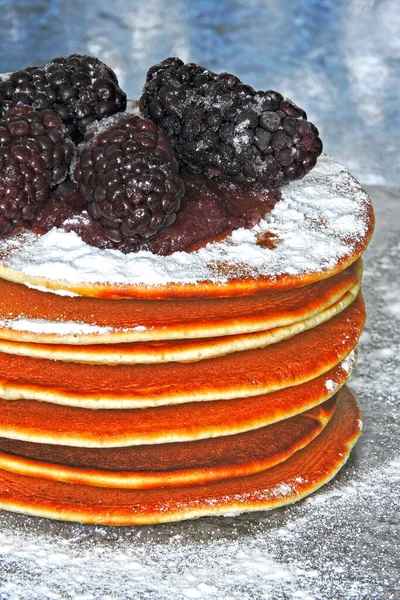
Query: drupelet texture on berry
x=225, y=129
x=35, y=154
x=80, y=89
x=128, y=175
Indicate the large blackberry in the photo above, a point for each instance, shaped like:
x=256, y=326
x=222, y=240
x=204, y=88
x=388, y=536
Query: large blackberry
x=35, y=154
x=227, y=130
x=128, y=174
x=80, y=89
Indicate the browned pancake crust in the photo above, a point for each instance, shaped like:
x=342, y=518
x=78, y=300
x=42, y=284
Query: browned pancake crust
x=143, y=320
x=179, y=463
x=287, y=482
x=240, y=374
x=44, y=422
x=190, y=350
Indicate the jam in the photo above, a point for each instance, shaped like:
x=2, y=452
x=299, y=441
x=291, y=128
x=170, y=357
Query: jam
x=210, y=211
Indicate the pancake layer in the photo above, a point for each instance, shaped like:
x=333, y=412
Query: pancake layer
x=172, y=464
x=241, y=374
x=48, y=423
x=175, y=351
x=304, y=472
x=29, y=315
x=321, y=225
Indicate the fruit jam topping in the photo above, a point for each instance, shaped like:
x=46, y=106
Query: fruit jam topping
x=209, y=211
x=227, y=145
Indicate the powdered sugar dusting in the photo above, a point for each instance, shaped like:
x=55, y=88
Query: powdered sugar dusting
x=319, y=221
x=55, y=327
x=41, y=288
x=291, y=553
x=331, y=385
x=348, y=363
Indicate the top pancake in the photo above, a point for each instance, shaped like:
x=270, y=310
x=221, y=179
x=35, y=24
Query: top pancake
x=320, y=226
x=28, y=315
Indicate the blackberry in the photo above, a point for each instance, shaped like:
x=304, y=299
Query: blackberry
x=35, y=154
x=80, y=89
x=227, y=130
x=128, y=175
x=67, y=194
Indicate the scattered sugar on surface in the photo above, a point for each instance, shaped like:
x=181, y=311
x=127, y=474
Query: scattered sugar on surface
x=292, y=553
x=312, y=224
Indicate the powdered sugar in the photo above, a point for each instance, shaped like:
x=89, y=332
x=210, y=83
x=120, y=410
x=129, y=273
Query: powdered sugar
x=53, y=327
x=331, y=385
x=41, y=288
x=349, y=362
x=319, y=221
x=288, y=554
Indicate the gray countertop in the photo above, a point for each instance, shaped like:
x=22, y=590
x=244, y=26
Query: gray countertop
x=340, y=543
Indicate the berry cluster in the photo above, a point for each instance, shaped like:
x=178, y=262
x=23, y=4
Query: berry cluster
x=126, y=177
x=35, y=154
x=225, y=129
x=80, y=89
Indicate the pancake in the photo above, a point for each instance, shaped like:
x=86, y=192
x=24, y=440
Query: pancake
x=152, y=388
x=321, y=225
x=304, y=472
x=241, y=374
x=48, y=423
x=172, y=464
x=175, y=351
x=29, y=315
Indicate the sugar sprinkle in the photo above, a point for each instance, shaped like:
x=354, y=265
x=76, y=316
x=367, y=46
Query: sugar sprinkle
x=318, y=222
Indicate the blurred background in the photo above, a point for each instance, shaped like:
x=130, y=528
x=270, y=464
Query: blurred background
x=338, y=59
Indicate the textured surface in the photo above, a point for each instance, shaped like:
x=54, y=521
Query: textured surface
x=339, y=544
x=321, y=224
x=328, y=56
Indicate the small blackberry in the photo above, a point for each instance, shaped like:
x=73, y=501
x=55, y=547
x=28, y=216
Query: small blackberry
x=35, y=154
x=227, y=130
x=80, y=89
x=128, y=175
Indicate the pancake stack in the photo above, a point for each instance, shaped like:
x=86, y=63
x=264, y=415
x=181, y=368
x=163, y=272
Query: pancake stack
x=138, y=399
